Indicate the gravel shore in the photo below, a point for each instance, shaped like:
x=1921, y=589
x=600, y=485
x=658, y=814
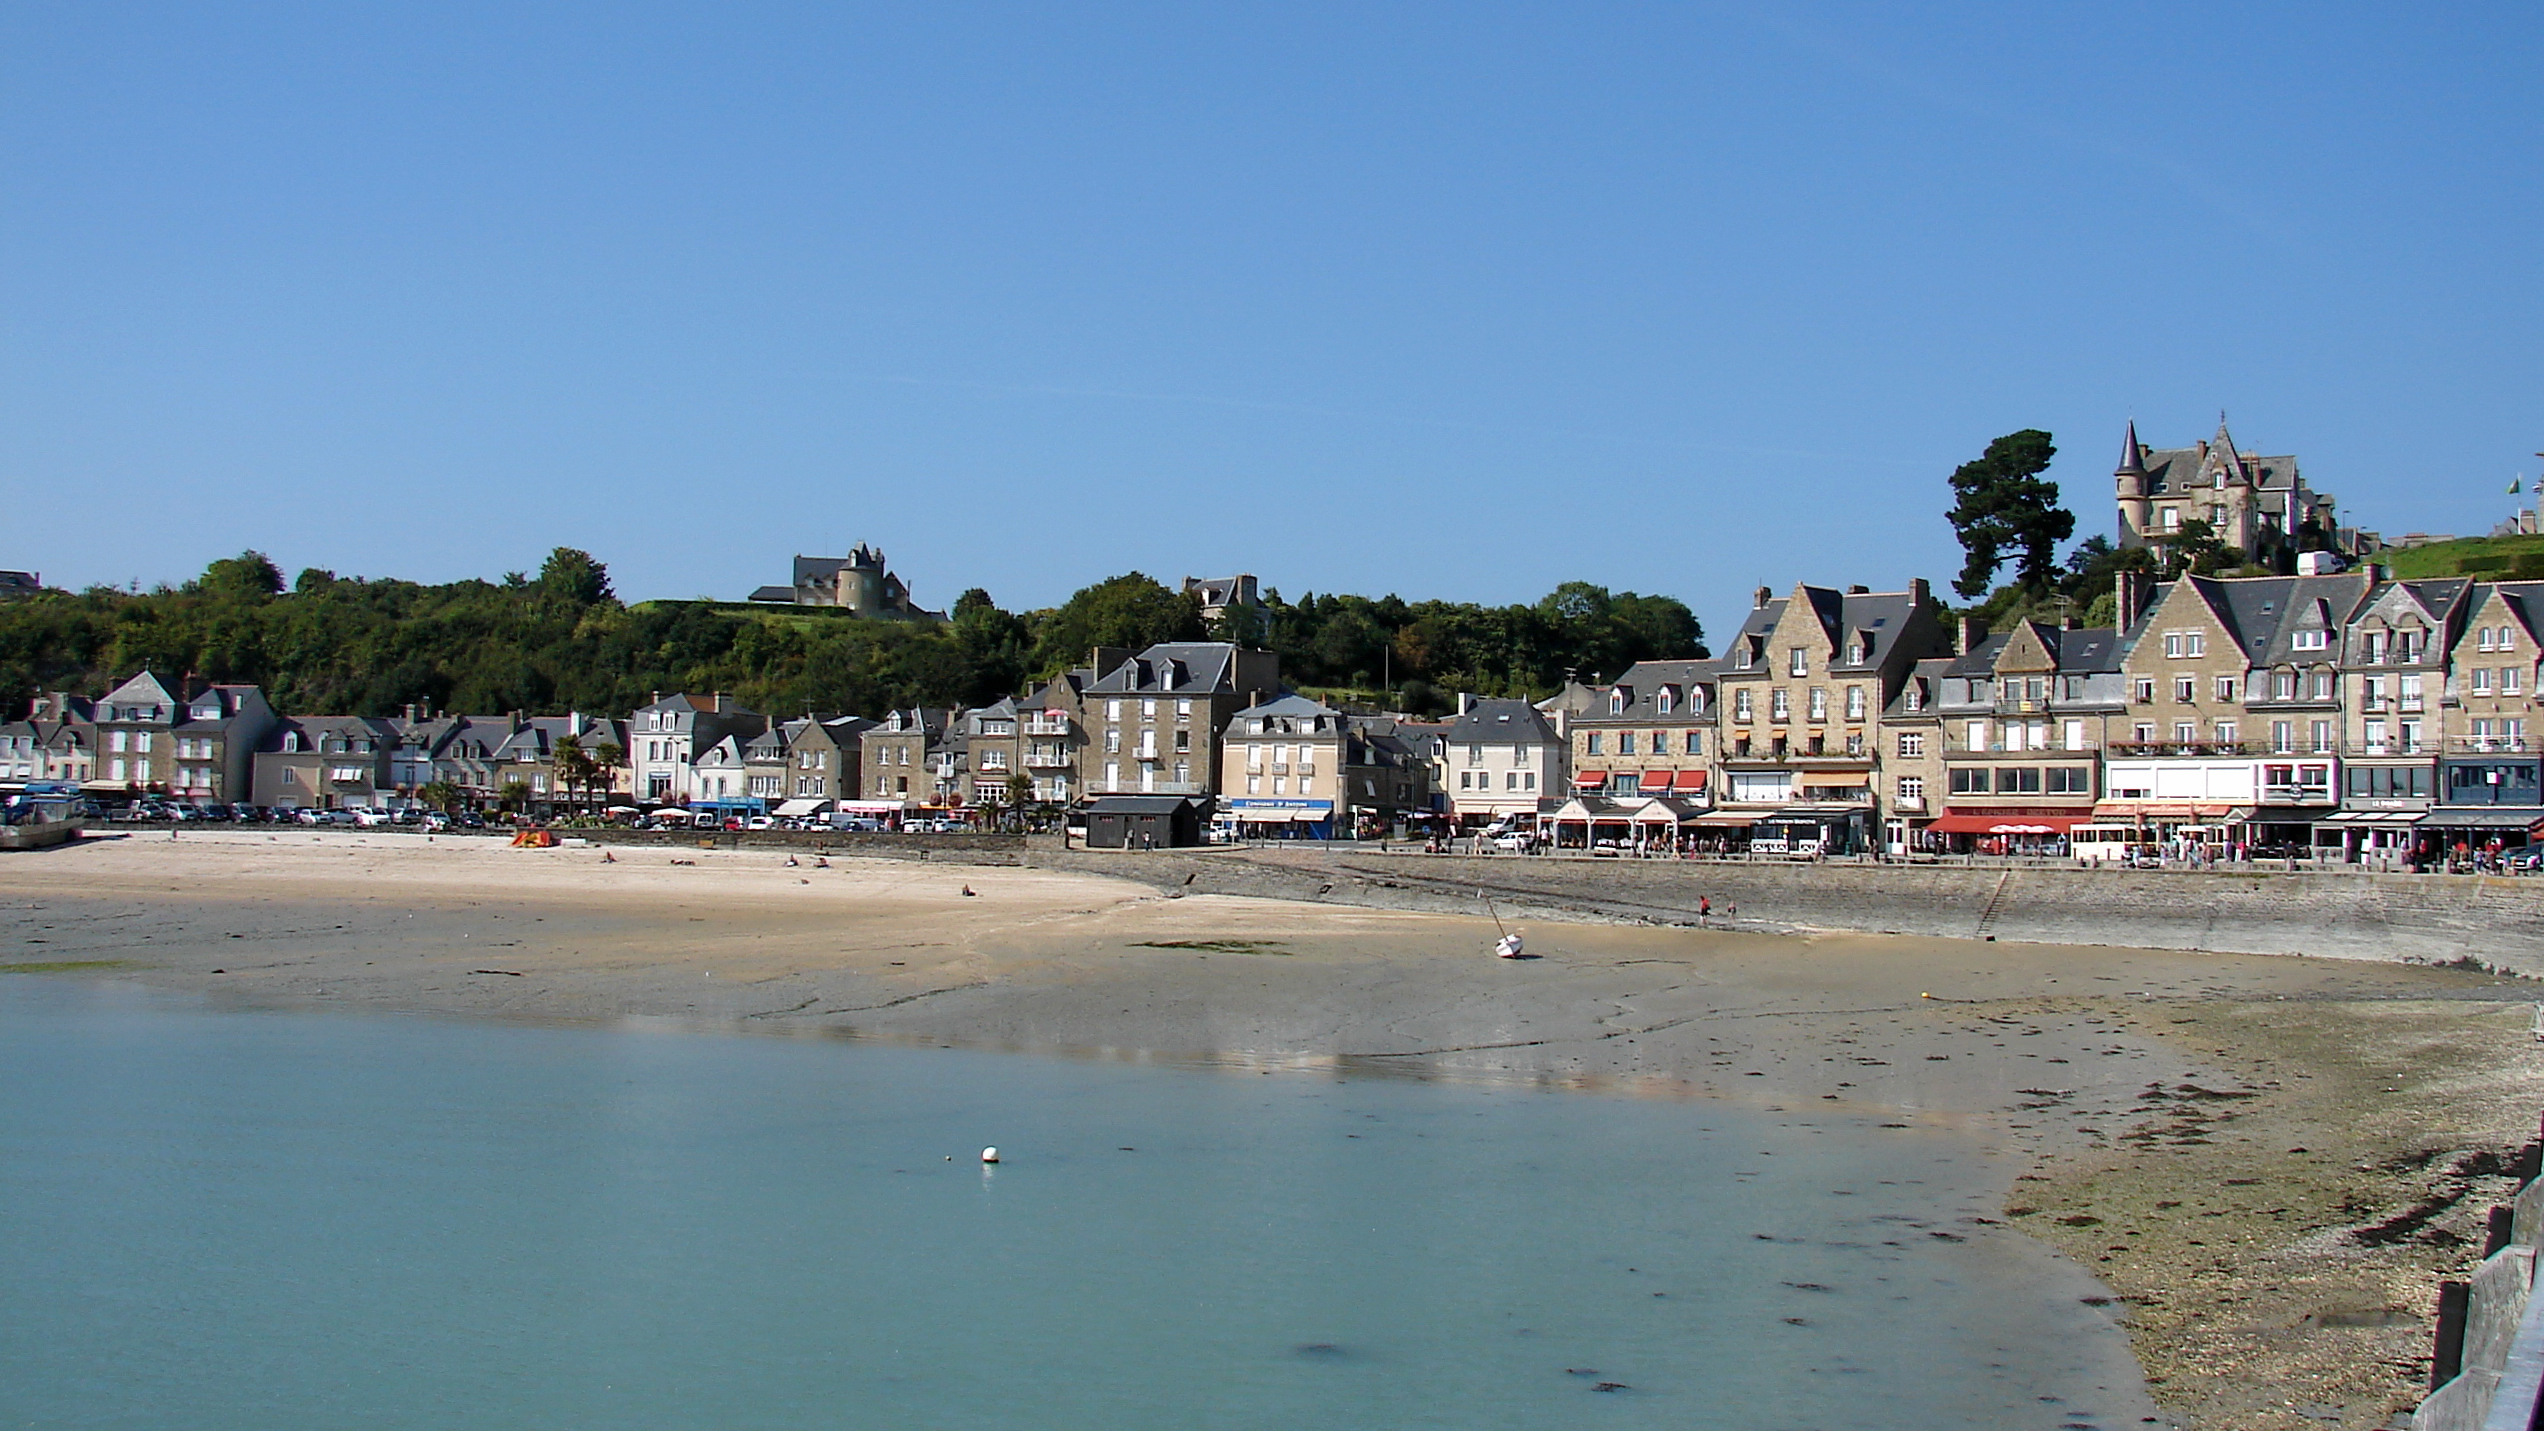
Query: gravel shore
x=2268, y=1162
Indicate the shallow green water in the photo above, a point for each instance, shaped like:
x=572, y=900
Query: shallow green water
x=218, y=1219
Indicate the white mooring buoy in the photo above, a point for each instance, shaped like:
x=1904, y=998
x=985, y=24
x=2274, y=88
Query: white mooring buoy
x=989, y=1155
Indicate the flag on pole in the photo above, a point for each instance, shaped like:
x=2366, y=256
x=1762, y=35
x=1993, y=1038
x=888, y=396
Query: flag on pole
x=2514, y=489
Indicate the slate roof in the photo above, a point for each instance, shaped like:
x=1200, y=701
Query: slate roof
x=1642, y=683
x=2081, y=651
x=1493, y=721
x=1289, y=705
x=1879, y=617
x=1207, y=666
x=1925, y=678
x=2173, y=471
x=2258, y=612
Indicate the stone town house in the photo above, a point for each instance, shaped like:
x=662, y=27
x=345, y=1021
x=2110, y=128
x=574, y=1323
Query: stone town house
x=900, y=756
x=1652, y=732
x=666, y=736
x=2491, y=759
x=1052, y=735
x=1501, y=759
x=1297, y=763
x=1803, y=686
x=1155, y=721
x=1910, y=785
x=196, y=748
x=523, y=759
x=325, y=763
x=64, y=727
x=822, y=762
x=2392, y=683
x=2233, y=711
x=993, y=753
x=2020, y=717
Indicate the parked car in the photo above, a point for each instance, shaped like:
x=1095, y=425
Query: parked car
x=760, y=822
x=371, y=817
x=1511, y=843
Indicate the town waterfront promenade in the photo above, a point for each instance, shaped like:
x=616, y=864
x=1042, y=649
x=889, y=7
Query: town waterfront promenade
x=2268, y=1162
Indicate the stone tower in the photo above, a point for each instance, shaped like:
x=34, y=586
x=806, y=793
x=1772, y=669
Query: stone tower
x=2131, y=482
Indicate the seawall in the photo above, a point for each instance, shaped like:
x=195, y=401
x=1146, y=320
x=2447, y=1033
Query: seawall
x=2403, y=918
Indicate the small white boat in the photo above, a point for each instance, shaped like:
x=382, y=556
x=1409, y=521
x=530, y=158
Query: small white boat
x=1508, y=946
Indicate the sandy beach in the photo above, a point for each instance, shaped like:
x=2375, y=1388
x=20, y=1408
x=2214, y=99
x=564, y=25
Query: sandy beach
x=2268, y=1161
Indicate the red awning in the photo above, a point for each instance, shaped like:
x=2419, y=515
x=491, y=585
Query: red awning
x=1658, y=779
x=2005, y=824
x=1591, y=779
x=1690, y=780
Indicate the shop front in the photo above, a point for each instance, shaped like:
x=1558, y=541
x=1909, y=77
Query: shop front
x=2368, y=837
x=1800, y=832
x=2014, y=831
x=1250, y=818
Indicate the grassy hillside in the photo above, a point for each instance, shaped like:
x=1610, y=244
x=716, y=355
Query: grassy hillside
x=2519, y=558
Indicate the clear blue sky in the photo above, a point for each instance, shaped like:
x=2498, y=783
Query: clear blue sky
x=1455, y=300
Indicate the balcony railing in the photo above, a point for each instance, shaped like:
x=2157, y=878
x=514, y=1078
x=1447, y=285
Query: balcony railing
x=1955, y=745
x=2142, y=749
x=2487, y=744
x=2298, y=795
x=1799, y=758
x=1908, y=804
x=1046, y=760
x=1046, y=725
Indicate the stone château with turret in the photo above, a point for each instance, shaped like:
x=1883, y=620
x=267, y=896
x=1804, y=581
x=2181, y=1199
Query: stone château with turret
x=2258, y=506
x=858, y=581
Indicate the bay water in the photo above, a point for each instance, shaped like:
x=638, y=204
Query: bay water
x=222, y=1218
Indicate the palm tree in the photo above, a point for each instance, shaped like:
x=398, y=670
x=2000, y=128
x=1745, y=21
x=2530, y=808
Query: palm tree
x=607, y=760
x=573, y=767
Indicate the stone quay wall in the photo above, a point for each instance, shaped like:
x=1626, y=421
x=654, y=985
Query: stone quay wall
x=2436, y=919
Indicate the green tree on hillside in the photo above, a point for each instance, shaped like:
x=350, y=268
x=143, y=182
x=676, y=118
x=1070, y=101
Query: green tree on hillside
x=249, y=576
x=2001, y=505
x=574, y=576
x=1131, y=610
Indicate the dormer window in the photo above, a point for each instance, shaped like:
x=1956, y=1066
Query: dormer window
x=1855, y=652
x=1798, y=663
x=1666, y=699
x=1616, y=700
x=2315, y=640
x=1742, y=656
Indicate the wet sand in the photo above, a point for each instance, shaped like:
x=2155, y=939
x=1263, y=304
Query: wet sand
x=2268, y=1162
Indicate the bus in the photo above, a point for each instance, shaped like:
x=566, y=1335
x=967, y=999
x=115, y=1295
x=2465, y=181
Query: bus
x=2106, y=844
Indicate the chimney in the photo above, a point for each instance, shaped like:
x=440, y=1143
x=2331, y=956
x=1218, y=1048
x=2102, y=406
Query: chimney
x=1758, y=601
x=2128, y=595
x=719, y=703
x=1971, y=632
x=1919, y=594
x=2068, y=621
x=1466, y=699
x=410, y=712
x=1859, y=591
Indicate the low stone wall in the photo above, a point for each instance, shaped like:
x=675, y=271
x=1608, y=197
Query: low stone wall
x=2348, y=915
x=977, y=849
x=2497, y=1350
